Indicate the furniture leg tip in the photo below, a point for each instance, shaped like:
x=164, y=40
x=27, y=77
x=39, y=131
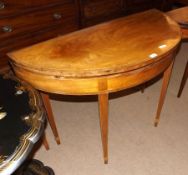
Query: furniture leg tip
x=156, y=124
x=47, y=148
x=58, y=140
x=106, y=161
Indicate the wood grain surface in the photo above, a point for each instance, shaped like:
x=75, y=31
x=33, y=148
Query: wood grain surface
x=179, y=15
x=117, y=46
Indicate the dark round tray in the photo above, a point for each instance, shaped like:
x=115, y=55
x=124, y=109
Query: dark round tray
x=21, y=122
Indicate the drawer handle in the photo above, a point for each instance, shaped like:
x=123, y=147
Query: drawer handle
x=57, y=15
x=2, y=5
x=7, y=29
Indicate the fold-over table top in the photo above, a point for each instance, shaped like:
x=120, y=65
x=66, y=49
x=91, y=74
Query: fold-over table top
x=179, y=15
x=113, y=47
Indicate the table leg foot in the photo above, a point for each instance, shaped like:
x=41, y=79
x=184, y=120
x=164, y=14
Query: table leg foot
x=58, y=140
x=50, y=116
x=106, y=161
x=166, y=78
x=156, y=123
x=45, y=142
x=103, y=110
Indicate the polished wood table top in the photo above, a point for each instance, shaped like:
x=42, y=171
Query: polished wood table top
x=179, y=15
x=105, y=58
x=110, y=48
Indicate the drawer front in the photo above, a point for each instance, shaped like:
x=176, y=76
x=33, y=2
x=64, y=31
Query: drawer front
x=10, y=7
x=160, y=4
x=61, y=15
x=137, y=2
x=134, y=6
x=153, y=3
x=3, y=64
x=94, y=8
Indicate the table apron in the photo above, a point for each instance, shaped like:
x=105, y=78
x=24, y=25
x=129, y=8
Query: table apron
x=94, y=85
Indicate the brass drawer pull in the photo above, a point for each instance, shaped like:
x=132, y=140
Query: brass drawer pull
x=7, y=29
x=57, y=15
x=2, y=5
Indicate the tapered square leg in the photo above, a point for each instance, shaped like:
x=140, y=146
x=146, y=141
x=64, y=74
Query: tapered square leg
x=50, y=116
x=103, y=111
x=166, y=78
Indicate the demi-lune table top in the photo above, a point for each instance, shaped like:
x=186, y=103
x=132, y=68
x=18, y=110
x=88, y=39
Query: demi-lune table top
x=109, y=48
x=179, y=15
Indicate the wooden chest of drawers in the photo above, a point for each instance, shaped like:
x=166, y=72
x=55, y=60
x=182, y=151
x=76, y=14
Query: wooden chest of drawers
x=94, y=11
x=184, y=2
x=26, y=22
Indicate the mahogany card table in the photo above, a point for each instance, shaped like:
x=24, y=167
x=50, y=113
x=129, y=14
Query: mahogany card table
x=105, y=58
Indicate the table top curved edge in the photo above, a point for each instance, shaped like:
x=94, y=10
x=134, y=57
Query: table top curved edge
x=107, y=64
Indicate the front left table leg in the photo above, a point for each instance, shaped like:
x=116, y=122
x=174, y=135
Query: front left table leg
x=50, y=116
x=166, y=78
x=103, y=111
